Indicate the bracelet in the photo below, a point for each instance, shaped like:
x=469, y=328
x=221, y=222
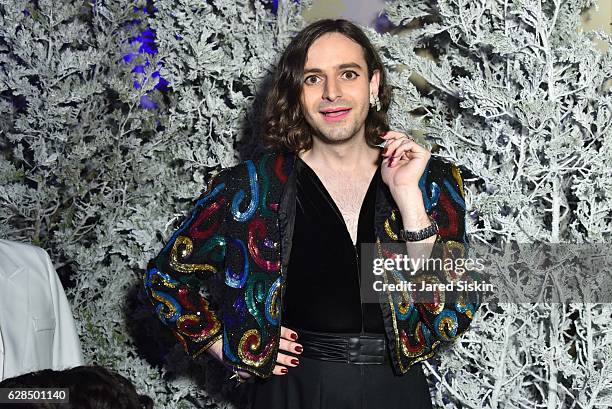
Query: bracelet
x=419, y=235
x=239, y=379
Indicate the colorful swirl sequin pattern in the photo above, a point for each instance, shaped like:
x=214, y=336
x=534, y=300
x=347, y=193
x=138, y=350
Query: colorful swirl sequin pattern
x=191, y=260
x=225, y=261
x=421, y=327
x=257, y=286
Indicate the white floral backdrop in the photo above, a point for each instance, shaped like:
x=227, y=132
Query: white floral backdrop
x=114, y=112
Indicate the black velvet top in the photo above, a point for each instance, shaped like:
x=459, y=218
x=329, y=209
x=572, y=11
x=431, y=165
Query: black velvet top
x=322, y=288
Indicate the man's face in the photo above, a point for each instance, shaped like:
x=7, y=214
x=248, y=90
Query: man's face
x=336, y=91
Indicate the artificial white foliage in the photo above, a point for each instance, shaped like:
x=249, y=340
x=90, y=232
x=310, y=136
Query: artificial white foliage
x=101, y=182
x=515, y=94
x=519, y=97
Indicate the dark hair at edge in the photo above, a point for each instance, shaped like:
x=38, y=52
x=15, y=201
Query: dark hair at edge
x=88, y=387
x=284, y=124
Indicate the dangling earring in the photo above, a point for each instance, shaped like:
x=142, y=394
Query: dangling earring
x=374, y=101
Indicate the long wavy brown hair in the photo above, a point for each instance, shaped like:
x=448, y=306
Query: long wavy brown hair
x=284, y=124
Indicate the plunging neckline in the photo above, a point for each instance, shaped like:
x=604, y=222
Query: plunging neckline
x=335, y=207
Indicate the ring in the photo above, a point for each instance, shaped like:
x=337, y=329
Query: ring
x=388, y=141
x=405, y=139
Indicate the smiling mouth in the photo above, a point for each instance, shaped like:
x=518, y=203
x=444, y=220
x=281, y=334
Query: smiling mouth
x=335, y=113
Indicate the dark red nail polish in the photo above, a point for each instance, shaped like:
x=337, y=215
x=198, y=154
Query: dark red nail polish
x=298, y=348
x=293, y=336
x=284, y=370
x=294, y=362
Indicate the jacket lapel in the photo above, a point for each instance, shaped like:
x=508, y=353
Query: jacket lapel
x=387, y=225
x=14, y=285
x=8, y=267
x=286, y=212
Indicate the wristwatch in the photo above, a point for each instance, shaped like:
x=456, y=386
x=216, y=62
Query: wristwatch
x=419, y=235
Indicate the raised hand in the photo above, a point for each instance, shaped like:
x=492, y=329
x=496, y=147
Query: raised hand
x=405, y=161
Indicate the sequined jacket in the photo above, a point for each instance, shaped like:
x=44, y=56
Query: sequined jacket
x=222, y=273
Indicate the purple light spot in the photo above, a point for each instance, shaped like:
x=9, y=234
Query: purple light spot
x=162, y=85
x=269, y=243
x=146, y=38
x=147, y=103
x=139, y=69
x=128, y=57
x=382, y=24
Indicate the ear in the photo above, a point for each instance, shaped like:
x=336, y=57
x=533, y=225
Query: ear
x=374, y=82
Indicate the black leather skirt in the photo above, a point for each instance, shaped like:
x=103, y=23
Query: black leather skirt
x=342, y=371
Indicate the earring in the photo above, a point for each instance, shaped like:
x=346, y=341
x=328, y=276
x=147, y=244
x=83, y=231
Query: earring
x=375, y=101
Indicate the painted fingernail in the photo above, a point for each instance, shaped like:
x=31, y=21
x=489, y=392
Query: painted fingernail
x=298, y=348
x=294, y=362
x=284, y=370
x=293, y=336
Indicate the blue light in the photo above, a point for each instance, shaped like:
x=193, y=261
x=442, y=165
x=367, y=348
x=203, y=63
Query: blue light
x=147, y=103
x=146, y=39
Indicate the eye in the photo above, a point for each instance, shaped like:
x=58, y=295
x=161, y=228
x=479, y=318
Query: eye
x=311, y=80
x=350, y=75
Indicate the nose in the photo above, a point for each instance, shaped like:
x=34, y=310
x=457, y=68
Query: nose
x=332, y=89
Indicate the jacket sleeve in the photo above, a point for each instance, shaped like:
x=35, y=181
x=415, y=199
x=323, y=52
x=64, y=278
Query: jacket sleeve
x=66, y=345
x=452, y=314
x=185, y=282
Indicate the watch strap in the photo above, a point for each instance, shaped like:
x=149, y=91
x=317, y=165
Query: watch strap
x=419, y=235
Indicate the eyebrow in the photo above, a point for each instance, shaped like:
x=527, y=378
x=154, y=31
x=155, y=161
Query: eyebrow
x=338, y=67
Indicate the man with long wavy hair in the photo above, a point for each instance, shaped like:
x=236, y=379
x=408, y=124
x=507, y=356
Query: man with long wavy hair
x=276, y=242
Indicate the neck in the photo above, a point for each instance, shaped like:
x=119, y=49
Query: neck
x=353, y=156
